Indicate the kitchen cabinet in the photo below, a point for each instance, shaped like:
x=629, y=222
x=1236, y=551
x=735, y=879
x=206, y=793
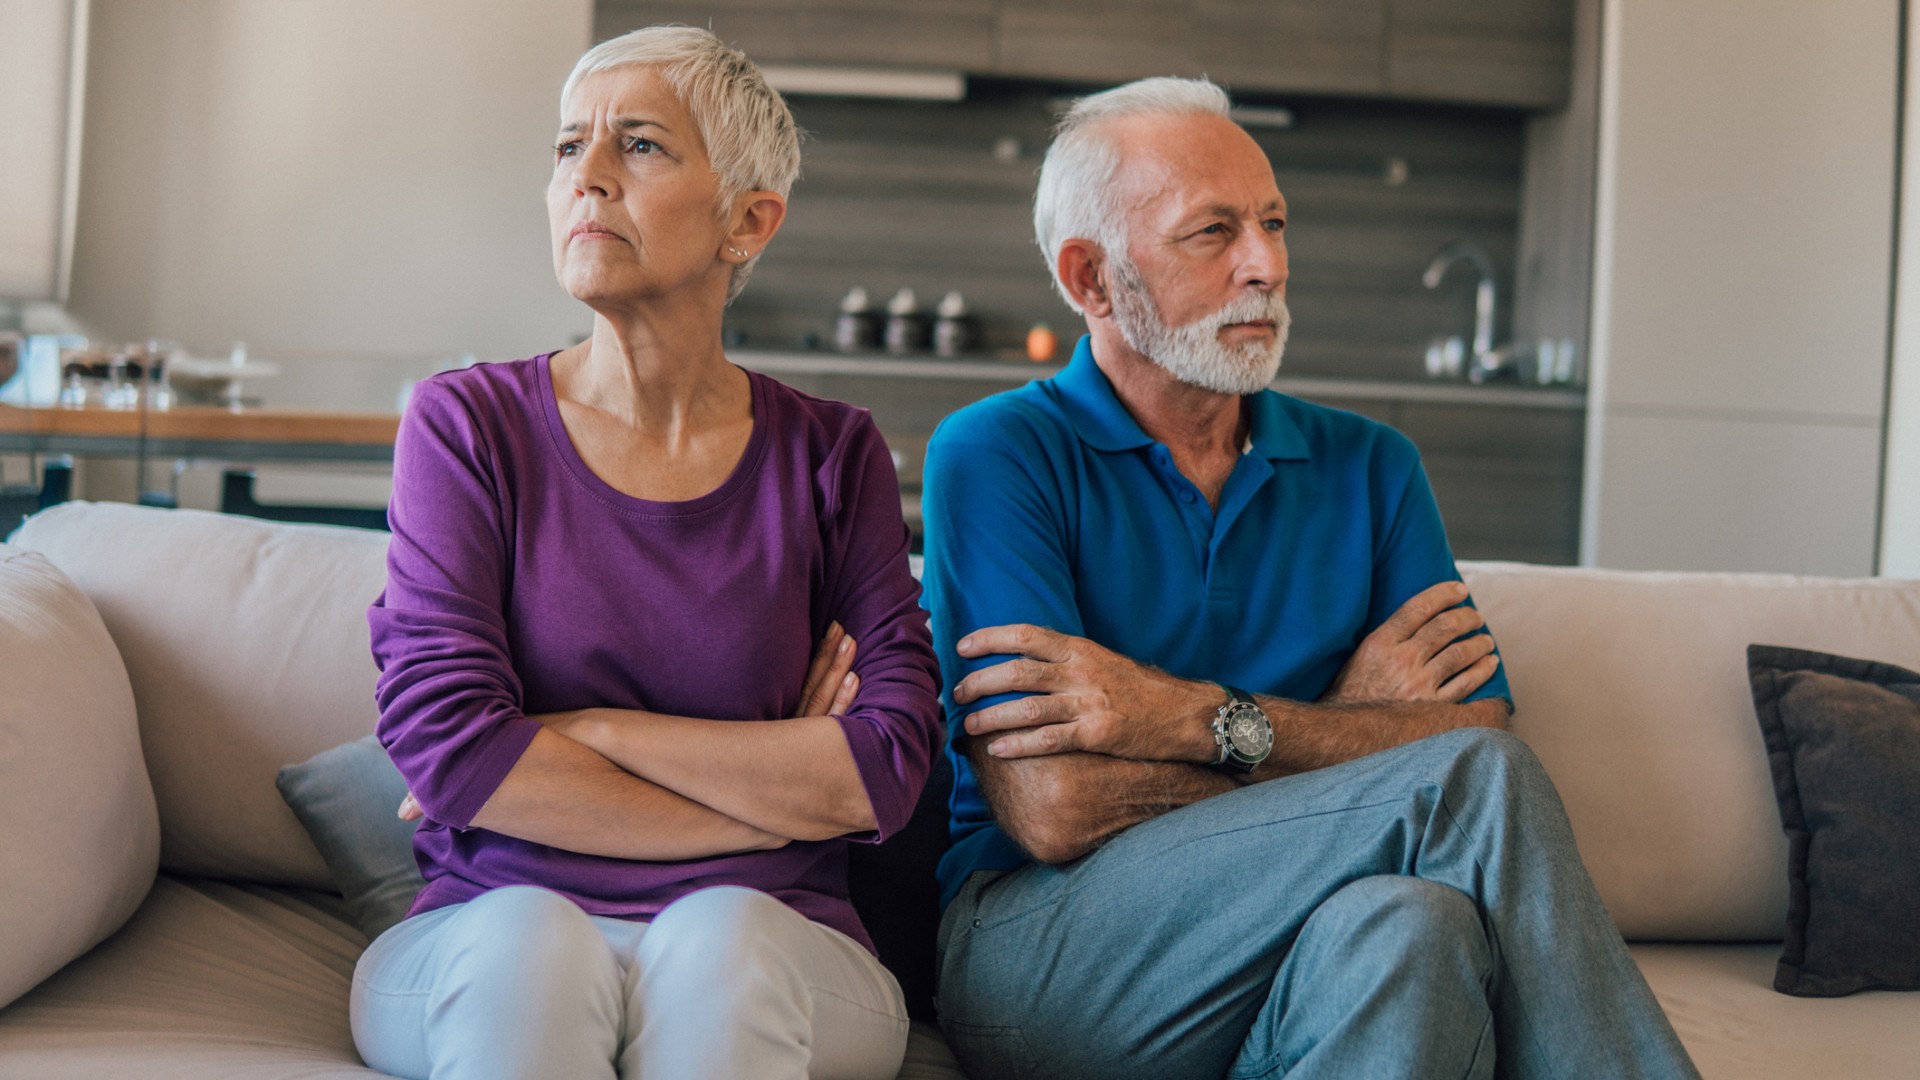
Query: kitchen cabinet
x=1487, y=52
x=940, y=34
x=1080, y=42
x=1493, y=52
x=1306, y=45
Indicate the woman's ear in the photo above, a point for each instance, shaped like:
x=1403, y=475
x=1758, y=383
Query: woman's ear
x=757, y=216
x=1080, y=265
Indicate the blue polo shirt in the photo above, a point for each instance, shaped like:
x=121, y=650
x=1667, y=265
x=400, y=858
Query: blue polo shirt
x=1049, y=505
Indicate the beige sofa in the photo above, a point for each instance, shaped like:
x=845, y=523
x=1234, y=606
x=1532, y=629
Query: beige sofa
x=162, y=913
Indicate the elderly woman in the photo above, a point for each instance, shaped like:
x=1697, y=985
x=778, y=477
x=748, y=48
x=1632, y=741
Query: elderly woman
x=613, y=664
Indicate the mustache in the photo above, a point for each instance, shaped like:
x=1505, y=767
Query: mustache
x=1248, y=307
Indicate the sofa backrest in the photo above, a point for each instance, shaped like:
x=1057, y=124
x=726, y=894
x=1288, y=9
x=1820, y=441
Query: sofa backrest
x=246, y=642
x=1632, y=688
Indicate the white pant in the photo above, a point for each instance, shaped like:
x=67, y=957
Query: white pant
x=726, y=983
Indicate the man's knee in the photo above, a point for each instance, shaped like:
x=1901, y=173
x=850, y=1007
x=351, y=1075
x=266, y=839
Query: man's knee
x=1415, y=908
x=1495, y=757
x=1393, y=926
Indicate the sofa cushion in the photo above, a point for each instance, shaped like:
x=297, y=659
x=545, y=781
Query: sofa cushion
x=246, y=642
x=208, y=979
x=79, y=838
x=1843, y=738
x=1632, y=688
x=1721, y=1001
x=348, y=798
x=213, y=979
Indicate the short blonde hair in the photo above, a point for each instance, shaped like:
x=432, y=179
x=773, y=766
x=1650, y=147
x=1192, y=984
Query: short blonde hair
x=751, y=139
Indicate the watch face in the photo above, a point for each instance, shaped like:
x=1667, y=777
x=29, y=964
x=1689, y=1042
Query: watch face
x=1250, y=733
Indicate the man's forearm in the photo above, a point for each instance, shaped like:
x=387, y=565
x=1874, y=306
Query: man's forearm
x=1062, y=806
x=565, y=795
x=1313, y=736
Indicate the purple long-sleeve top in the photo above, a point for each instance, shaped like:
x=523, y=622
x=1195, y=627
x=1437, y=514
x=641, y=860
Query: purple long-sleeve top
x=519, y=582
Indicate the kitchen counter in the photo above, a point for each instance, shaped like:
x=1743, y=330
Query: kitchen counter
x=201, y=432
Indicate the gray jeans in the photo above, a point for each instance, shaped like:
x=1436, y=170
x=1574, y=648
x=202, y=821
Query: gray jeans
x=1418, y=912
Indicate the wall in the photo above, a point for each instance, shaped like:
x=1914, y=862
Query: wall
x=1742, y=280
x=350, y=186
x=1900, y=491
x=910, y=193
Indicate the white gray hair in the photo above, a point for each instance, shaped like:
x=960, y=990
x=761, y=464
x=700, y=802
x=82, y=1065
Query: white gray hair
x=751, y=139
x=1076, y=197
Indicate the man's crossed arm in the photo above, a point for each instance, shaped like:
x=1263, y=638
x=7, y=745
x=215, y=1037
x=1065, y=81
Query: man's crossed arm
x=1105, y=743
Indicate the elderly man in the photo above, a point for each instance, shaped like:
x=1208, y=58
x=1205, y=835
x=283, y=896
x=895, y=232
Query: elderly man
x=1233, y=796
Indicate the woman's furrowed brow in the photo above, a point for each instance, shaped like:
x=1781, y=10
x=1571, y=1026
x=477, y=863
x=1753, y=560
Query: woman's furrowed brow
x=622, y=123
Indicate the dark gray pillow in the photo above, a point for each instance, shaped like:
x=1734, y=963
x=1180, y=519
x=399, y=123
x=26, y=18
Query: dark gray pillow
x=1843, y=739
x=347, y=798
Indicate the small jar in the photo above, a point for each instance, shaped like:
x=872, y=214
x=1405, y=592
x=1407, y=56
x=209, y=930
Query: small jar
x=907, y=329
x=954, y=332
x=857, y=328
x=74, y=390
x=124, y=376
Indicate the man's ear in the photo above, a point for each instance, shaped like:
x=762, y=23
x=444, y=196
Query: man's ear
x=1082, y=269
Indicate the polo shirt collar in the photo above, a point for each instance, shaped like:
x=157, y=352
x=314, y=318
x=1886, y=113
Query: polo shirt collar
x=1276, y=436
x=1103, y=423
x=1092, y=406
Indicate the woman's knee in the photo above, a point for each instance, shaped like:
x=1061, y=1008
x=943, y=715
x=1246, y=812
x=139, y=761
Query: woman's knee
x=527, y=933
x=724, y=919
x=727, y=937
x=516, y=982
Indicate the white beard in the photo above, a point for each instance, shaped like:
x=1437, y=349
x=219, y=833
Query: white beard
x=1193, y=352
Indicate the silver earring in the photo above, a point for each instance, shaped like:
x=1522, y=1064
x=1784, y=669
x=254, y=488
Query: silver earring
x=736, y=253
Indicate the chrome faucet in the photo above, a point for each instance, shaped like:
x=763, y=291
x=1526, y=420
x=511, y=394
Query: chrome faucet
x=1483, y=300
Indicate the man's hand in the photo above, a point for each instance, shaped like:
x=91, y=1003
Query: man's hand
x=1414, y=655
x=1086, y=697
x=829, y=690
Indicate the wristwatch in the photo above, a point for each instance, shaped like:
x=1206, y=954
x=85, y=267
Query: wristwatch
x=1242, y=732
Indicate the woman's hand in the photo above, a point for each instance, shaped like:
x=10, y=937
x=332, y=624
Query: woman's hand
x=831, y=684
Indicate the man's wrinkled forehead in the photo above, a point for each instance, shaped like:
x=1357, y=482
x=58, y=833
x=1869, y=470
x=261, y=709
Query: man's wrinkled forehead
x=1175, y=165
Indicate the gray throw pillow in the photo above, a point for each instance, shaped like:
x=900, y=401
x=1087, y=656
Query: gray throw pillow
x=347, y=798
x=1843, y=740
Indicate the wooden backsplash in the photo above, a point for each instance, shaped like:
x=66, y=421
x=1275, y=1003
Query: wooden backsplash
x=897, y=193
